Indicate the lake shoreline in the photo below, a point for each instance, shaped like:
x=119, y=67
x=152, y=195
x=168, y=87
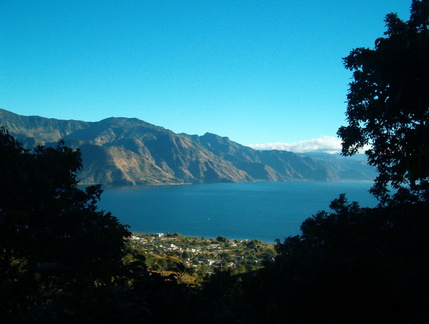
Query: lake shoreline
x=258, y=210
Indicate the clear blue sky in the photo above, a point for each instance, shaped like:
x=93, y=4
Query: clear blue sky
x=255, y=71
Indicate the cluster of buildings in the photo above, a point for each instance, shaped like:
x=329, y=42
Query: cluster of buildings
x=202, y=252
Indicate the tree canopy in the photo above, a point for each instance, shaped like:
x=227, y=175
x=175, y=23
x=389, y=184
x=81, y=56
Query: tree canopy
x=388, y=105
x=54, y=240
x=63, y=260
x=356, y=264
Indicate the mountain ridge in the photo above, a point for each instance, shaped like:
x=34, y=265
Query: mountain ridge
x=129, y=151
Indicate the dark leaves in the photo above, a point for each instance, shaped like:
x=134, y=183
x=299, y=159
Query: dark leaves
x=388, y=104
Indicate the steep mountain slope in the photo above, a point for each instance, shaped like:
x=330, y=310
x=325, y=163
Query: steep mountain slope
x=31, y=130
x=346, y=168
x=127, y=151
x=124, y=151
x=275, y=165
x=242, y=157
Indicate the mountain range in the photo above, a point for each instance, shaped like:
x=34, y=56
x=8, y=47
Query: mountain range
x=129, y=151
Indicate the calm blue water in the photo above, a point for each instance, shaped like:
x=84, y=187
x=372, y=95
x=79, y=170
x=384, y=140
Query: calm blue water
x=260, y=210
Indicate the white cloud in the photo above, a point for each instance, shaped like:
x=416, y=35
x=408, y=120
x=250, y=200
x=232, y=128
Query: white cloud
x=326, y=144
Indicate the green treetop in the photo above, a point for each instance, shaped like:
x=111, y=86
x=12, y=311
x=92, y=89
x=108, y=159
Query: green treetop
x=388, y=105
x=54, y=241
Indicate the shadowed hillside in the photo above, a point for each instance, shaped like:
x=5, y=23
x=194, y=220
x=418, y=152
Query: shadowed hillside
x=129, y=151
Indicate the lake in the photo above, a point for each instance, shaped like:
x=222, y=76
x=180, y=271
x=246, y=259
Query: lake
x=258, y=210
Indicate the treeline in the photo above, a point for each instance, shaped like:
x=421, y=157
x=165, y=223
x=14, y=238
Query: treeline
x=63, y=260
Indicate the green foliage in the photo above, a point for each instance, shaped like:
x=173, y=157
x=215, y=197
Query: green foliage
x=388, y=104
x=353, y=265
x=63, y=260
x=222, y=239
x=360, y=265
x=55, y=243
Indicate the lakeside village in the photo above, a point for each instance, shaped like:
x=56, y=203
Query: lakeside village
x=190, y=259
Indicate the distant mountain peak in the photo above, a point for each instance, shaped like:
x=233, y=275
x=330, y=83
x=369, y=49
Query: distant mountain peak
x=120, y=150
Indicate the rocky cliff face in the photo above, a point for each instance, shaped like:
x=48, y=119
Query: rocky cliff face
x=275, y=165
x=128, y=151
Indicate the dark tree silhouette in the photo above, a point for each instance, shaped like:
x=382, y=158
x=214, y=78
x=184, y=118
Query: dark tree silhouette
x=54, y=241
x=388, y=105
x=367, y=265
x=351, y=265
